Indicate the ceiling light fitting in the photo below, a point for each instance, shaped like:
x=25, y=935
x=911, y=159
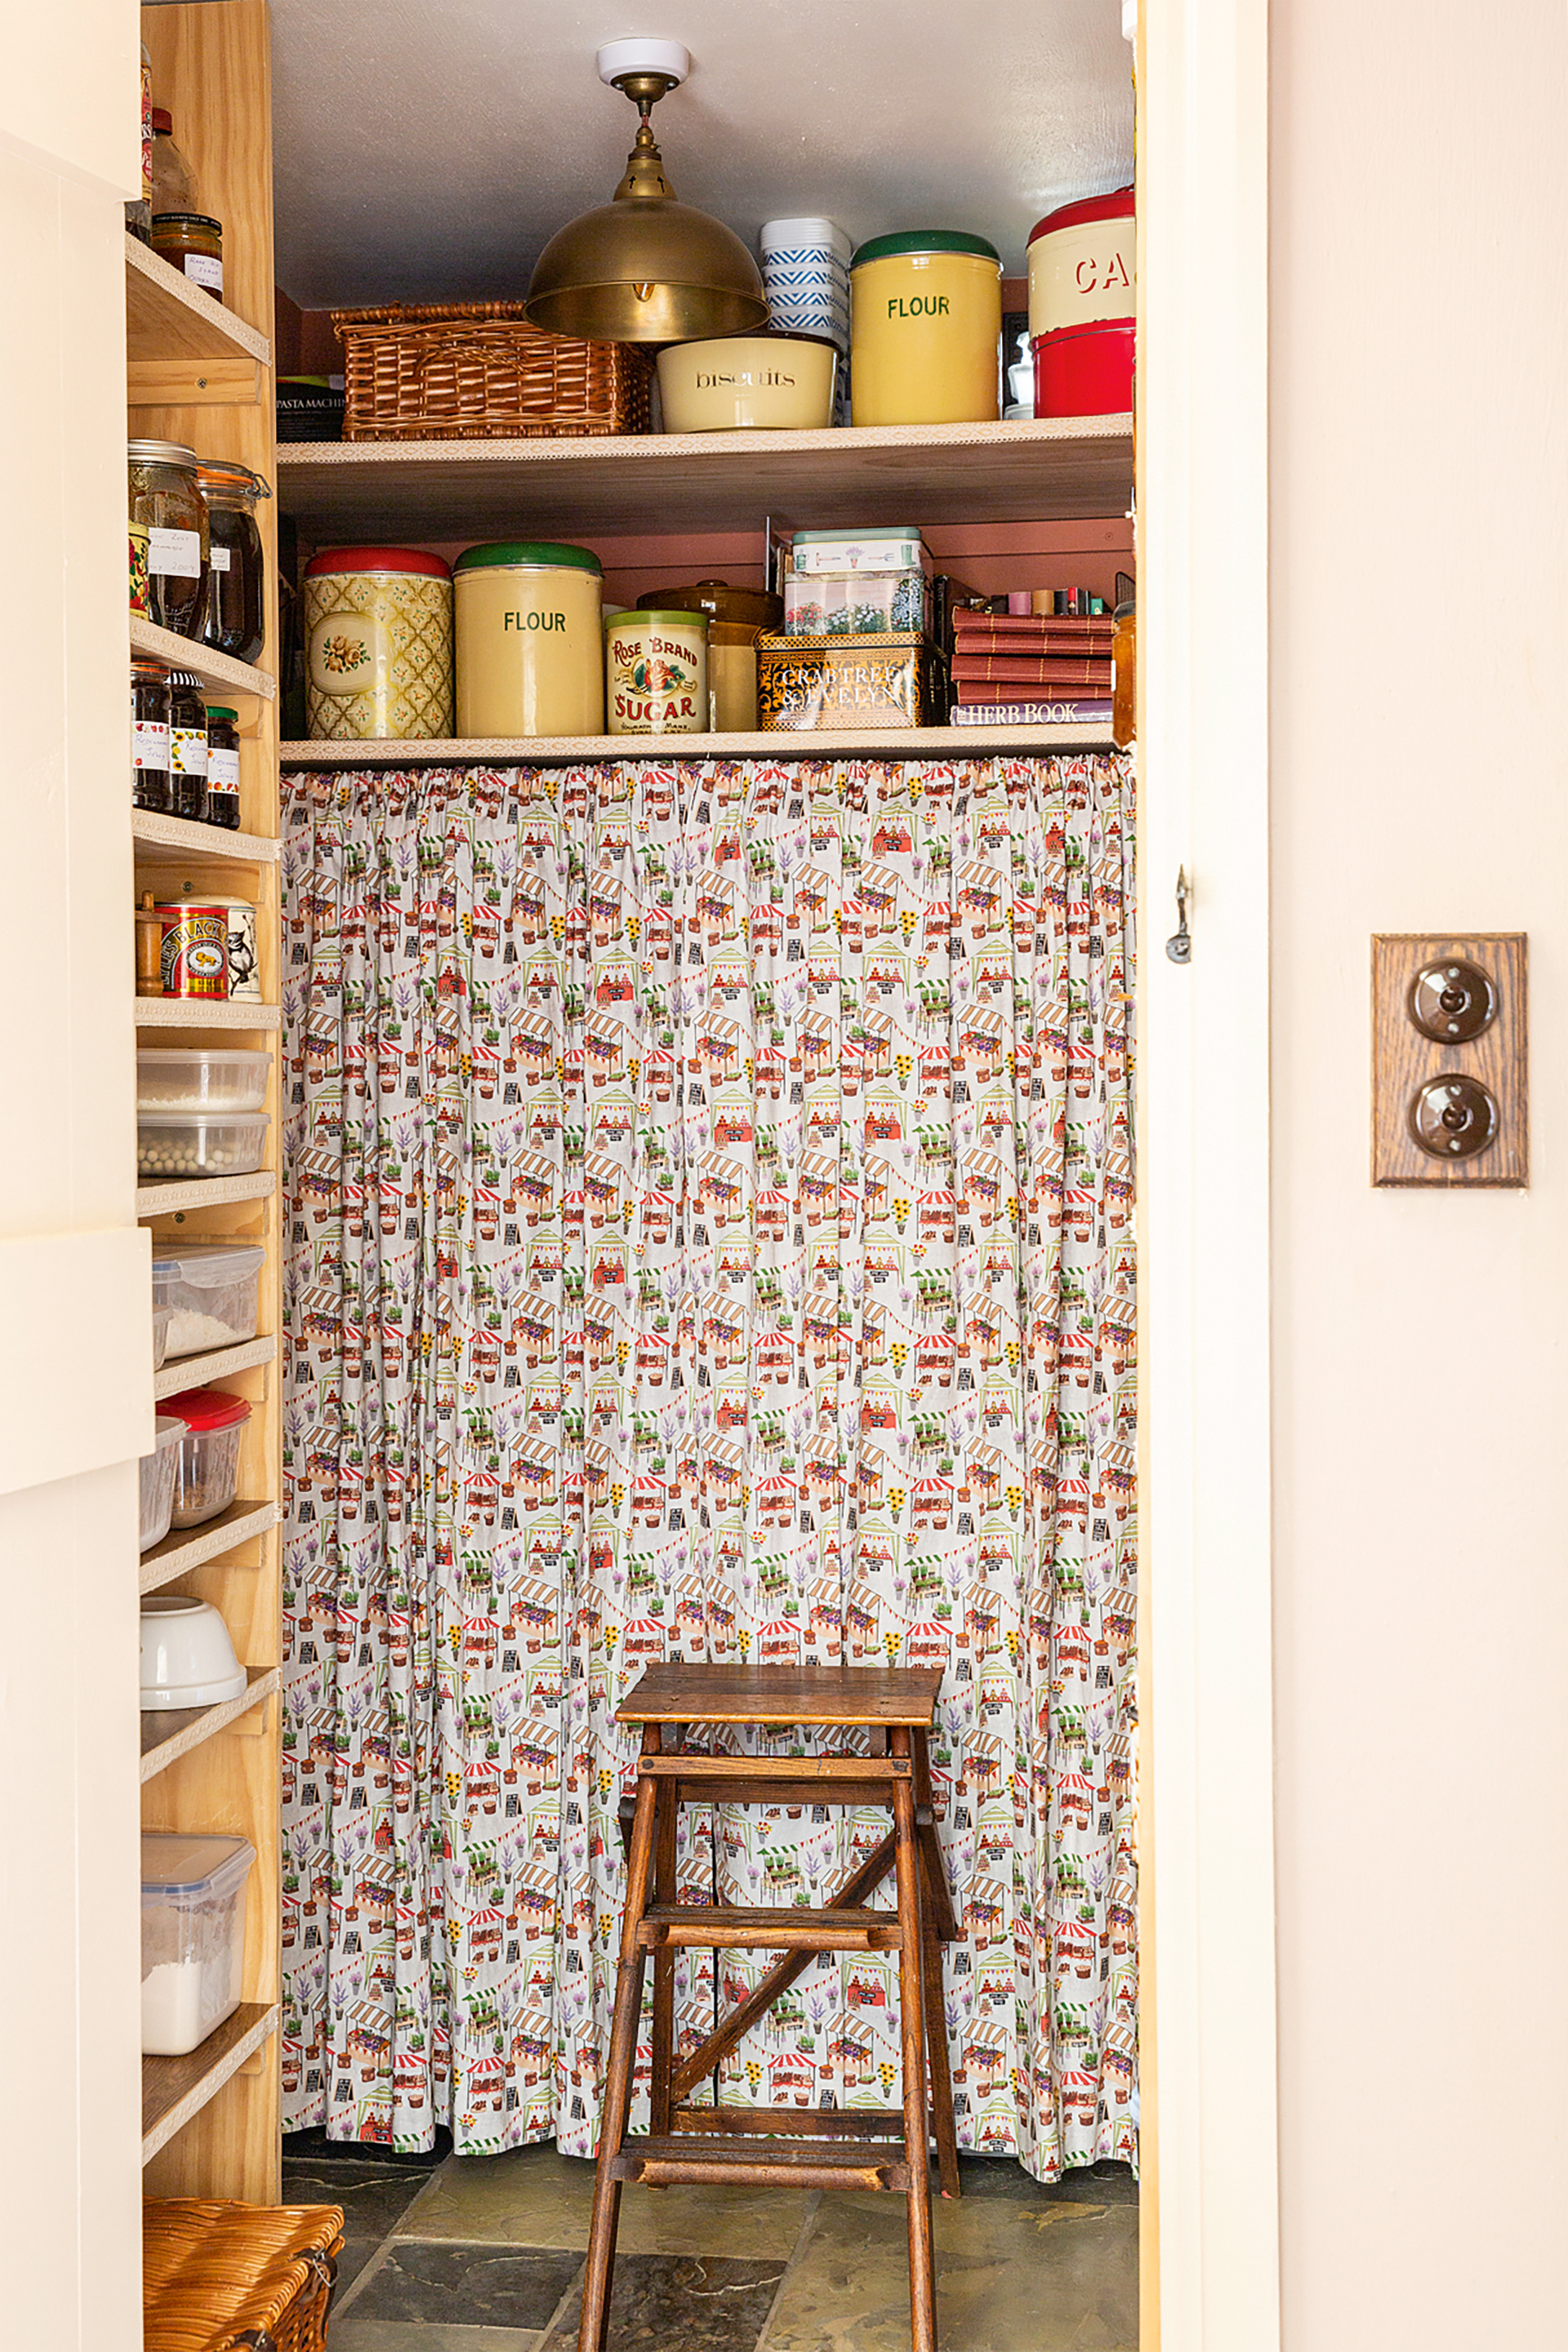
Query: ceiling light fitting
x=644, y=268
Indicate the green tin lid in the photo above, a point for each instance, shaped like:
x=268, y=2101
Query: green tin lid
x=633, y=618
x=529, y=555
x=925, y=240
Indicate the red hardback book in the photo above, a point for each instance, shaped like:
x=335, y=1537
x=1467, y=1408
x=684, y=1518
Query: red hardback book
x=1012, y=670
x=1029, y=628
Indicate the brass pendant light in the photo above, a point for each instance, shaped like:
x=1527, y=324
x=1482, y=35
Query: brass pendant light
x=644, y=268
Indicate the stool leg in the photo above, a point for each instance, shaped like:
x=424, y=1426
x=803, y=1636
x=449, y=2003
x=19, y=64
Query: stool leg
x=931, y=1974
x=662, y=2054
x=618, y=2071
x=911, y=2027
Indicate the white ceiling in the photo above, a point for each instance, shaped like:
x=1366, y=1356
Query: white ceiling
x=426, y=149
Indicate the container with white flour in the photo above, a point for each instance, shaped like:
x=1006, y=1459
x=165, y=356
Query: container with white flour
x=193, y=1937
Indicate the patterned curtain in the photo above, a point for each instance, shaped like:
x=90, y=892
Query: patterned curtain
x=711, y=1236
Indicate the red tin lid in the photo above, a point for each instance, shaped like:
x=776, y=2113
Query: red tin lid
x=1117, y=205
x=377, y=558
x=204, y=1409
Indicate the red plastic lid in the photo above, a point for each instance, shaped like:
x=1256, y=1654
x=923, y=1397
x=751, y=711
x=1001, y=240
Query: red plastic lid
x=377, y=558
x=162, y=119
x=1118, y=206
x=203, y=1409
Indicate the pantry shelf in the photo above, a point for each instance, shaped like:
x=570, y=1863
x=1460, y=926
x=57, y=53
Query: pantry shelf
x=175, y=2089
x=170, y=1733
x=217, y=1364
x=168, y=317
x=212, y=669
x=190, y=1548
x=158, y=837
x=204, y=1012
x=186, y=1193
x=1052, y=469
x=821, y=743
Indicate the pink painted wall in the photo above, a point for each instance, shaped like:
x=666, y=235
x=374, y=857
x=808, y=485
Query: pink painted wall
x=1419, y=610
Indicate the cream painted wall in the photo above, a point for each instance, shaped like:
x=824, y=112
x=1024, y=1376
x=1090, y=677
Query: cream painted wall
x=1419, y=570
x=75, y=1377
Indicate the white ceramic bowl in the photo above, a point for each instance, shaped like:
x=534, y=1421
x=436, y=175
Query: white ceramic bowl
x=777, y=381
x=187, y=1658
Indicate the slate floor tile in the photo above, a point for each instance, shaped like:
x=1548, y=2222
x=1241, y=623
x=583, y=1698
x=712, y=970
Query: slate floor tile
x=467, y=2287
x=679, y=2303
x=350, y=2334
x=536, y=2197
x=1012, y=2276
x=374, y=2187
x=1086, y=2184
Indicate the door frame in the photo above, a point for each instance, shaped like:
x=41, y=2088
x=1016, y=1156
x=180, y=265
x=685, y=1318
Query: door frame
x=1211, y=2214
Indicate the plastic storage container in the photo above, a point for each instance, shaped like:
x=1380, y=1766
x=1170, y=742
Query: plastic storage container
x=159, y=1471
x=186, y=1143
x=207, y=1466
x=209, y=1291
x=192, y=1078
x=162, y=1318
x=193, y=1937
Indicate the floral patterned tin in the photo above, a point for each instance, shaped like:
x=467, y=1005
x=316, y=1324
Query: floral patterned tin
x=377, y=623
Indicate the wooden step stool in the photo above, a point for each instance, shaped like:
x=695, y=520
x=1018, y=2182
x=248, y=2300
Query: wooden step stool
x=688, y=2143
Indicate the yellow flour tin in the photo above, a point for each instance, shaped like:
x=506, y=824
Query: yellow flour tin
x=925, y=311
x=529, y=655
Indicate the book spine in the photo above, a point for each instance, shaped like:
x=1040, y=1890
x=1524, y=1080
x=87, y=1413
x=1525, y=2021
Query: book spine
x=1033, y=714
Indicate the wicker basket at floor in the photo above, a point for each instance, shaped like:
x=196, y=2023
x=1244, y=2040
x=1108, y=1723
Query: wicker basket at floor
x=217, y=2275
x=479, y=372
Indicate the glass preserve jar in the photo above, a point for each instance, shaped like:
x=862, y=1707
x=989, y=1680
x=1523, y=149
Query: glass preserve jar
x=192, y=243
x=223, y=767
x=166, y=500
x=139, y=215
x=188, y=745
x=232, y=619
x=151, y=786
x=1124, y=691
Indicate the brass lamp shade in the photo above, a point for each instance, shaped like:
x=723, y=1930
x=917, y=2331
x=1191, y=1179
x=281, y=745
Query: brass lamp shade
x=644, y=268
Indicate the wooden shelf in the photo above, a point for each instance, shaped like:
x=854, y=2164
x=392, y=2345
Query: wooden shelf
x=821, y=743
x=186, y=1549
x=217, y=1364
x=212, y=669
x=160, y=839
x=204, y=1012
x=175, y=2089
x=169, y=1733
x=1053, y=470
x=162, y=1199
x=169, y=317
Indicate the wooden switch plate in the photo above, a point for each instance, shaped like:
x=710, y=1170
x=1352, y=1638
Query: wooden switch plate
x=1404, y=1059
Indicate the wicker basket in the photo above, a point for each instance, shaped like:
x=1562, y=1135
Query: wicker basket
x=479, y=372
x=217, y=2275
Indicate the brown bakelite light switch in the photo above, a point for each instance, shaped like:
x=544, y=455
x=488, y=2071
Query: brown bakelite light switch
x=1449, y=1099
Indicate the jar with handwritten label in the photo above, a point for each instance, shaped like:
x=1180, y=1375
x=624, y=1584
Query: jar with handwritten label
x=166, y=502
x=529, y=653
x=377, y=628
x=150, y=787
x=223, y=767
x=232, y=620
x=193, y=244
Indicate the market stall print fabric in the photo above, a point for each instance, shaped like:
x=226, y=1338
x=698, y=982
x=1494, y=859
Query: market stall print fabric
x=709, y=1236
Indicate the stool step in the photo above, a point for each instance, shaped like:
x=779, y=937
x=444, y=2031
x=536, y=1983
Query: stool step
x=718, y=1926
x=668, y=2161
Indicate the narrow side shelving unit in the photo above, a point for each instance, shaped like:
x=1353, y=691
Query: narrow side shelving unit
x=201, y=373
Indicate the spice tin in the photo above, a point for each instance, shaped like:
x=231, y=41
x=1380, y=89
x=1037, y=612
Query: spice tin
x=529, y=652
x=244, y=979
x=377, y=625
x=194, y=954
x=138, y=568
x=656, y=673
x=925, y=329
x=1083, y=276
x=897, y=549
x=869, y=681
x=854, y=603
